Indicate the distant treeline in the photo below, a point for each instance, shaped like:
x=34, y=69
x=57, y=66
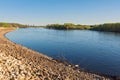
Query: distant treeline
x=2, y=24
x=109, y=27
x=67, y=26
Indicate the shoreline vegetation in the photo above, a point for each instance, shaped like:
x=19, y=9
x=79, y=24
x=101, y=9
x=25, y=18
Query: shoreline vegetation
x=68, y=26
x=106, y=27
x=18, y=62
x=17, y=25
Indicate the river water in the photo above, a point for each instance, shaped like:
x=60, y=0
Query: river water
x=91, y=50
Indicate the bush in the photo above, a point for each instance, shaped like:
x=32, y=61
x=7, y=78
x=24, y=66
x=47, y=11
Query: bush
x=67, y=26
x=111, y=27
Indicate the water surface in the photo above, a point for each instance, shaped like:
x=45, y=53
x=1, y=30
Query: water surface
x=95, y=51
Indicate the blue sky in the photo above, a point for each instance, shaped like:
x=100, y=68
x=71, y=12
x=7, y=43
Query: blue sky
x=42, y=12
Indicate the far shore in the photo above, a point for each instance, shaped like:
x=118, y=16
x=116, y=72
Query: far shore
x=21, y=63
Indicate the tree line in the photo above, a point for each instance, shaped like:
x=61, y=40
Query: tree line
x=67, y=26
x=17, y=25
x=109, y=27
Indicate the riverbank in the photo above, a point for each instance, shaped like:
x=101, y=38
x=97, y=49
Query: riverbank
x=20, y=63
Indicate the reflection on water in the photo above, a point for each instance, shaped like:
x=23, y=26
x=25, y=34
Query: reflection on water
x=92, y=50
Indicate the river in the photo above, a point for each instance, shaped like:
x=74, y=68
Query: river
x=91, y=50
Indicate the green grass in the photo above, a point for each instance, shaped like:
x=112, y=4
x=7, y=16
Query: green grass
x=5, y=25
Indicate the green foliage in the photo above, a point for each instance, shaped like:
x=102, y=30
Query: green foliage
x=16, y=25
x=55, y=26
x=4, y=25
x=111, y=27
x=10, y=25
x=82, y=27
x=67, y=26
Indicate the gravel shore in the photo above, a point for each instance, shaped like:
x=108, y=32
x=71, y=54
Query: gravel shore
x=20, y=63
